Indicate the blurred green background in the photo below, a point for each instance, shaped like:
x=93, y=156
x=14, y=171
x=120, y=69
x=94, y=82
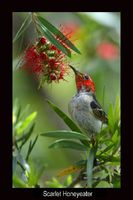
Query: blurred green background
x=97, y=36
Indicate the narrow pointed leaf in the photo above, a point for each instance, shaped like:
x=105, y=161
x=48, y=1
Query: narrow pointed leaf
x=19, y=63
x=111, y=118
x=107, y=149
x=23, y=27
x=68, y=144
x=65, y=135
x=108, y=158
x=103, y=184
x=68, y=181
x=31, y=145
x=115, y=137
x=22, y=125
x=26, y=136
x=54, y=41
x=117, y=109
x=64, y=117
x=18, y=183
x=18, y=114
x=116, y=148
x=59, y=34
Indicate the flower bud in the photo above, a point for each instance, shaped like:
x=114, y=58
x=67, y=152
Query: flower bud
x=53, y=76
x=43, y=40
x=43, y=56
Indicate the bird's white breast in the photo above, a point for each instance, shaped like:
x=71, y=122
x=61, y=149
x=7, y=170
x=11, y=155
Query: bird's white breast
x=81, y=112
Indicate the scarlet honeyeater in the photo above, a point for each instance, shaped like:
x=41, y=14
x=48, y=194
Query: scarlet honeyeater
x=84, y=108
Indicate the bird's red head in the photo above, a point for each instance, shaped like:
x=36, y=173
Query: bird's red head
x=83, y=81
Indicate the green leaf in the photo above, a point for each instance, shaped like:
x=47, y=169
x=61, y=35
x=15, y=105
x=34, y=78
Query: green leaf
x=68, y=121
x=54, y=183
x=35, y=173
x=90, y=162
x=16, y=111
x=18, y=183
x=54, y=41
x=15, y=106
x=102, y=135
x=31, y=145
x=19, y=62
x=18, y=114
x=23, y=27
x=116, y=148
x=100, y=174
x=108, y=158
x=26, y=136
x=117, y=109
x=107, y=149
x=115, y=136
x=24, y=111
x=22, y=125
x=68, y=144
x=111, y=118
x=57, y=33
x=116, y=183
x=103, y=184
x=64, y=117
x=69, y=180
x=21, y=161
x=65, y=135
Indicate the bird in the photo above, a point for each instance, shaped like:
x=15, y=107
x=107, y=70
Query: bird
x=84, y=108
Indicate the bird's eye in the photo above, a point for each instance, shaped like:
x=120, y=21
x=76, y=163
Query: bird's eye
x=86, y=77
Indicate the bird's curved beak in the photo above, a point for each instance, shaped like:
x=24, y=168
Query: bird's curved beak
x=75, y=71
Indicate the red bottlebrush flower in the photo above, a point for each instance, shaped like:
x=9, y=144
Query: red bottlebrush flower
x=46, y=61
x=52, y=47
x=107, y=51
x=43, y=56
x=53, y=63
x=32, y=60
x=43, y=40
x=53, y=77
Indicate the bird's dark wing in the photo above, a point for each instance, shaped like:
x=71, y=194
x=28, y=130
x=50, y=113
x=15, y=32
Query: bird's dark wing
x=98, y=111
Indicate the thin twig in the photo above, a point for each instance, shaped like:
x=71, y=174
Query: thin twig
x=35, y=23
x=22, y=167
